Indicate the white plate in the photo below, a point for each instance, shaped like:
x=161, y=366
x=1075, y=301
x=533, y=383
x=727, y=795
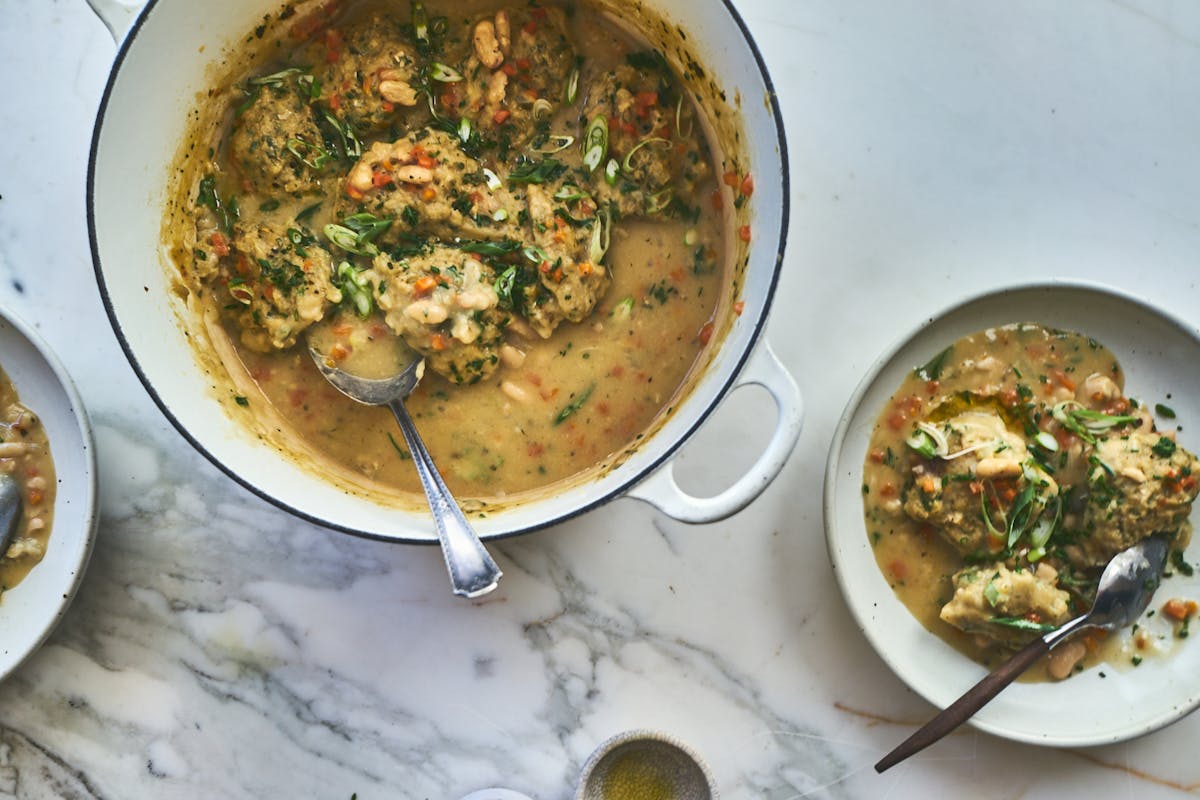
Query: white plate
x=30, y=611
x=1106, y=703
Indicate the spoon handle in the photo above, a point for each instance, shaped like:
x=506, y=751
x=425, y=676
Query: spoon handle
x=472, y=570
x=964, y=707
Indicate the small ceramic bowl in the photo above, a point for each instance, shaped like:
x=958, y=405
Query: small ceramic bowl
x=645, y=764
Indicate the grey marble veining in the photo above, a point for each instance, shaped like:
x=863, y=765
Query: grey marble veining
x=219, y=647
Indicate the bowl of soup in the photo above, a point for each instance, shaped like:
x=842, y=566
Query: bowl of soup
x=987, y=468
x=47, y=449
x=574, y=212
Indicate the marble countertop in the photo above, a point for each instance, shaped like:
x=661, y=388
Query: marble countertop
x=220, y=648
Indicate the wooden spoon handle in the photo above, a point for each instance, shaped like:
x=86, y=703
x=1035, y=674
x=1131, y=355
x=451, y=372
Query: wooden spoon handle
x=964, y=707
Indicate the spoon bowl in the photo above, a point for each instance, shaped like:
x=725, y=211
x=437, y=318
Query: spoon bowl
x=12, y=508
x=1126, y=586
x=382, y=372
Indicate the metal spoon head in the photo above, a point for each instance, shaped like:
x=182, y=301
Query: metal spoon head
x=371, y=369
x=12, y=507
x=380, y=370
x=1128, y=583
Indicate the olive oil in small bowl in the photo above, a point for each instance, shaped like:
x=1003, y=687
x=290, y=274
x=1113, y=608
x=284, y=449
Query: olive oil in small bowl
x=645, y=765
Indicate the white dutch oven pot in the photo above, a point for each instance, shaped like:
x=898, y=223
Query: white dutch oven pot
x=159, y=69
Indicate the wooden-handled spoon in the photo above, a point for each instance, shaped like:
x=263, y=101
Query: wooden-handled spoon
x=1125, y=588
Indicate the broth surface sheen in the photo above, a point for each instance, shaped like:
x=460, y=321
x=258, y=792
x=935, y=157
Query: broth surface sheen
x=524, y=193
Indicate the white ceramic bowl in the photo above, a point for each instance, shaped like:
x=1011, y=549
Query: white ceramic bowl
x=30, y=610
x=161, y=66
x=1104, y=704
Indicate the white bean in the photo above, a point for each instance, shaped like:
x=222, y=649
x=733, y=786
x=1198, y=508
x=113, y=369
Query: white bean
x=503, y=30
x=511, y=356
x=398, y=92
x=414, y=174
x=515, y=392
x=487, y=45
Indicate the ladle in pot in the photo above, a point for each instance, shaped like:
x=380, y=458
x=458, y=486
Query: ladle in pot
x=382, y=371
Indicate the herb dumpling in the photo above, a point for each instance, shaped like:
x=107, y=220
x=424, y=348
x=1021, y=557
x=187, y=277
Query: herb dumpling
x=515, y=75
x=429, y=187
x=977, y=475
x=370, y=75
x=1009, y=606
x=445, y=306
x=570, y=250
x=653, y=136
x=279, y=280
x=1140, y=483
x=276, y=143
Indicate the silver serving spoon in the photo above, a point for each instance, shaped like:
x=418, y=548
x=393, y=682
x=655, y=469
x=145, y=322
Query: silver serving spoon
x=384, y=377
x=1125, y=588
x=12, y=507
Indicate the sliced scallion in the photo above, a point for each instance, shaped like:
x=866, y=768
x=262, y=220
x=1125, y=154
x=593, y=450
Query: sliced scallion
x=569, y=193
x=493, y=180
x=571, y=90
x=275, y=79
x=650, y=141
x=595, y=142
x=534, y=253
x=554, y=144
x=612, y=170
x=1084, y=422
x=342, y=236
x=679, y=120
x=659, y=200
x=444, y=73
x=464, y=130
x=922, y=444
x=1046, y=441
x=355, y=287
x=420, y=23
x=240, y=291
x=601, y=237
x=623, y=310
x=504, y=286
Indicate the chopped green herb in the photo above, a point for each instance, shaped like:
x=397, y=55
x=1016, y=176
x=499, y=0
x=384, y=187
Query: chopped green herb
x=1022, y=624
x=932, y=369
x=537, y=171
x=1164, y=447
x=574, y=405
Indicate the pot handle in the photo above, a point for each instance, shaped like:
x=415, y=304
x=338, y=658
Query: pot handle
x=660, y=489
x=117, y=15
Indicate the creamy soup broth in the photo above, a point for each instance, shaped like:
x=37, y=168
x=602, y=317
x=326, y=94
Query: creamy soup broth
x=25, y=455
x=524, y=390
